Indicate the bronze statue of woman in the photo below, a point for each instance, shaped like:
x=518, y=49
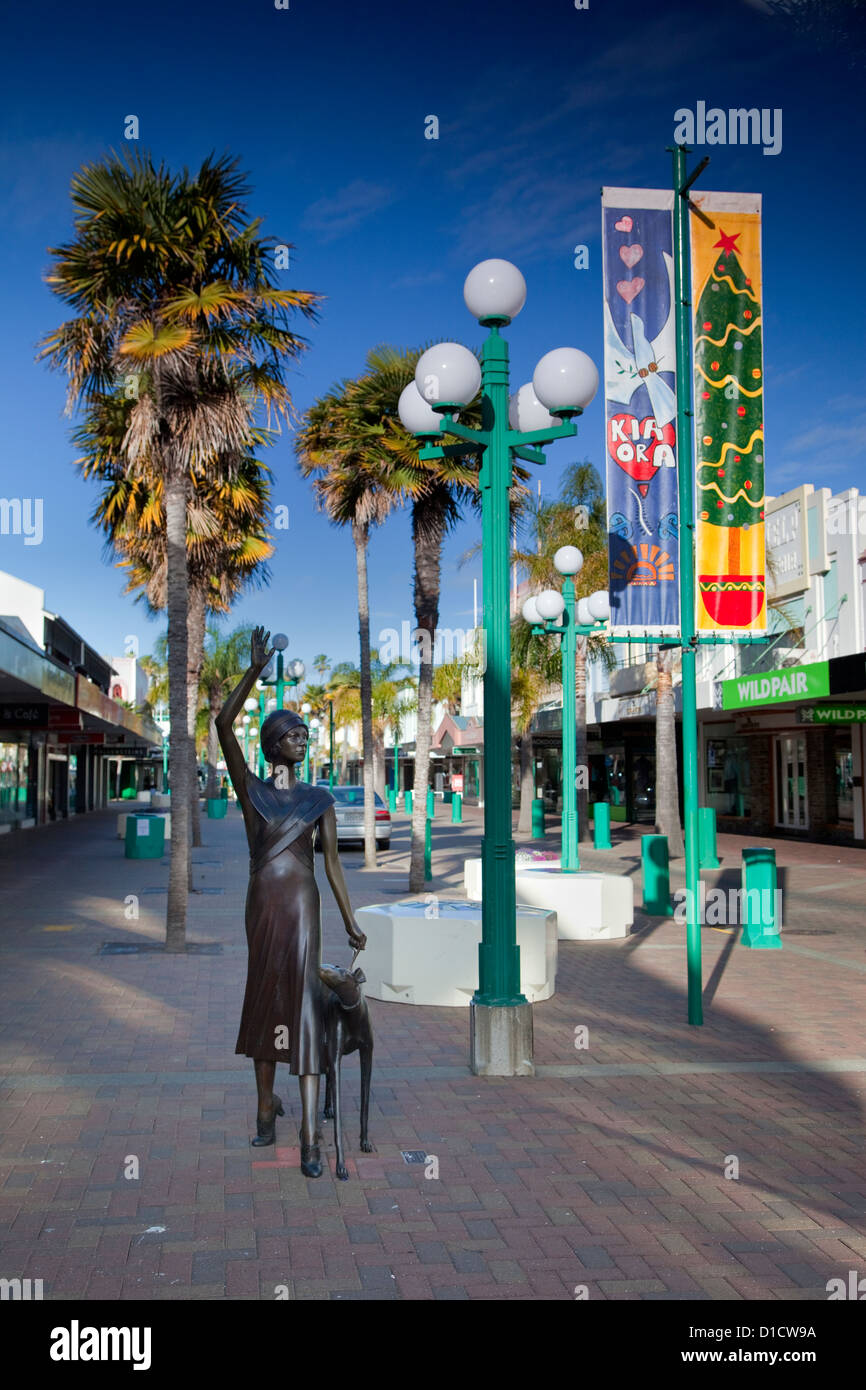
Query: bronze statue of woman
x=282, y=1018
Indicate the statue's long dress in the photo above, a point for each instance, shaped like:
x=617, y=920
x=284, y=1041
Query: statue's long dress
x=284, y=933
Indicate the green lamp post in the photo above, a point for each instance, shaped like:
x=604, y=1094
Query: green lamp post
x=306, y=711
x=578, y=620
x=331, y=741
x=280, y=641
x=447, y=377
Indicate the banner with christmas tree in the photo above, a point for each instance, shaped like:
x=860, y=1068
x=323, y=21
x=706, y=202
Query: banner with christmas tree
x=729, y=411
x=640, y=406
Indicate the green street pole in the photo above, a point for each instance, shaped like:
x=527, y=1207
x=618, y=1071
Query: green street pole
x=500, y=1015
x=331, y=730
x=281, y=685
x=569, y=851
x=164, y=763
x=688, y=634
x=498, y=954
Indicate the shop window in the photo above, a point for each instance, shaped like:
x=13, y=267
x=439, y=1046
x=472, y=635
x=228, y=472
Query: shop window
x=844, y=766
x=727, y=776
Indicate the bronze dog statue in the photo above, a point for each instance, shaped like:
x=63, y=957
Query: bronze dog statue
x=347, y=1029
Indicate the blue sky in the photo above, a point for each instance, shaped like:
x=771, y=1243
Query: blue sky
x=325, y=104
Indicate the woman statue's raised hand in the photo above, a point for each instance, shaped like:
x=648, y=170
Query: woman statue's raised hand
x=260, y=655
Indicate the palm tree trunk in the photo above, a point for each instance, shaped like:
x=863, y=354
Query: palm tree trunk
x=581, y=746
x=361, y=535
x=667, y=793
x=196, y=620
x=527, y=784
x=344, y=757
x=213, y=746
x=177, y=602
x=379, y=765
x=428, y=530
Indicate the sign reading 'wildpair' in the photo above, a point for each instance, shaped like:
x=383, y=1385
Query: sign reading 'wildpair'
x=797, y=683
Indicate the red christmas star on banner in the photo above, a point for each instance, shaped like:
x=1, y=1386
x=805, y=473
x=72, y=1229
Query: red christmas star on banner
x=726, y=243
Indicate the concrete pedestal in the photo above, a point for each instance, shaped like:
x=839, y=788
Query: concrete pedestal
x=415, y=957
x=588, y=906
x=500, y=1040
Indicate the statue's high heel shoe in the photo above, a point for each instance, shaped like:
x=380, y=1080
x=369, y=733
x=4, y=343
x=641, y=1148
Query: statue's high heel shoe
x=266, y=1131
x=311, y=1159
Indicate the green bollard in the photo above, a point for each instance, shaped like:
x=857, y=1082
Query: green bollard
x=656, y=875
x=428, y=849
x=601, y=824
x=538, y=818
x=431, y=804
x=392, y=800
x=407, y=802
x=708, y=857
x=457, y=809
x=761, y=922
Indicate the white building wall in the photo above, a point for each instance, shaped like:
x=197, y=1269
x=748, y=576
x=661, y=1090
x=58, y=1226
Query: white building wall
x=25, y=601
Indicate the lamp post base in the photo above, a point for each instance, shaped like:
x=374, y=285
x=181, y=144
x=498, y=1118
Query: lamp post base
x=500, y=1039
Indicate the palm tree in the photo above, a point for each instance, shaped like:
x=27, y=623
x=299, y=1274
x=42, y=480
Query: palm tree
x=666, y=778
x=577, y=517
x=227, y=547
x=448, y=683
x=225, y=661
x=172, y=288
x=335, y=445
x=438, y=489
x=536, y=667
x=345, y=693
x=321, y=666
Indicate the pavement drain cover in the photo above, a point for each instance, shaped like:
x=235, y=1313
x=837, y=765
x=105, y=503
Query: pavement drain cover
x=138, y=948
x=413, y=1155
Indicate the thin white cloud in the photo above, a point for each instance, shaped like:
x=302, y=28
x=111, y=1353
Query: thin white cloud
x=338, y=213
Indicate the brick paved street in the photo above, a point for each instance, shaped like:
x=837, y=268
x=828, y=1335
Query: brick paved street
x=606, y=1169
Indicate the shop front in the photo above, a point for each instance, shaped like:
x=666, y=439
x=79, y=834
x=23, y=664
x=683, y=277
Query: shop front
x=785, y=754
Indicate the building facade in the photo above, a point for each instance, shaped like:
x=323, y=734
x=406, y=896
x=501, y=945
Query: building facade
x=66, y=746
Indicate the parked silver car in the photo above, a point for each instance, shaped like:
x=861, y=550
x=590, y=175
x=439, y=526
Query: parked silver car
x=349, y=810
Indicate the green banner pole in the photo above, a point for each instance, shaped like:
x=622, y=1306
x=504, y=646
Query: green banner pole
x=685, y=472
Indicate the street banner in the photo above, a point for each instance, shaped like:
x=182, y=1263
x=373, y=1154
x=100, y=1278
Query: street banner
x=640, y=406
x=729, y=411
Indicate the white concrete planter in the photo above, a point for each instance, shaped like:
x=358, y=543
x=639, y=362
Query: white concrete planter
x=588, y=906
x=414, y=957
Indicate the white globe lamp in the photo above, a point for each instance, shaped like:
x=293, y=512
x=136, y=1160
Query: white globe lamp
x=494, y=292
x=550, y=604
x=599, y=605
x=448, y=375
x=565, y=380
x=568, y=560
x=530, y=611
x=416, y=415
x=525, y=411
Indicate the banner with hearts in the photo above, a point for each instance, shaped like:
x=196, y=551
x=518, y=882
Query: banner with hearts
x=729, y=412
x=640, y=407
